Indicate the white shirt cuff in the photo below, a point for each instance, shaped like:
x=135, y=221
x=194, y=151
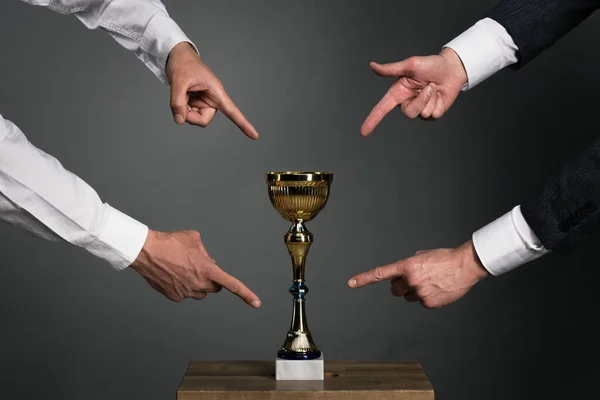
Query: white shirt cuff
x=121, y=240
x=161, y=35
x=507, y=243
x=484, y=49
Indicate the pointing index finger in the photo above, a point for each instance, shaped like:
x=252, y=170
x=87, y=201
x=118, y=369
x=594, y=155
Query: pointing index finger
x=377, y=275
x=236, y=287
x=385, y=105
x=231, y=111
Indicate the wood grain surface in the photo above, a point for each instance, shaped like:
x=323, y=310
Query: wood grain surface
x=344, y=380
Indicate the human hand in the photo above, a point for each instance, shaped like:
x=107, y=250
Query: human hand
x=197, y=93
x=177, y=265
x=435, y=278
x=426, y=88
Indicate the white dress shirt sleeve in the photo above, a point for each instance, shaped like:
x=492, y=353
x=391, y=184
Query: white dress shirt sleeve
x=142, y=26
x=507, y=243
x=37, y=194
x=484, y=49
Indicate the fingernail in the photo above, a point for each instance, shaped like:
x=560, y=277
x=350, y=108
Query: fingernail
x=179, y=119
x=352, y=283
x=255, y=303
x=429, y=90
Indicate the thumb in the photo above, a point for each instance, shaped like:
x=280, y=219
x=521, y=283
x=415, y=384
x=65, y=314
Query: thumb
x=179, y=102
x=405, y=67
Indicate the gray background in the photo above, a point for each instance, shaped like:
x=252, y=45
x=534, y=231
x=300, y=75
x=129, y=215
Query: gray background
x=73, y=328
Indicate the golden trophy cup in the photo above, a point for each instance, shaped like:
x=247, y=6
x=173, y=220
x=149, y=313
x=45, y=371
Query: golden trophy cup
x=298, y=197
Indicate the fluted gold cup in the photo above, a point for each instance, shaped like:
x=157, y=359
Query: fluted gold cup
x=298, y=197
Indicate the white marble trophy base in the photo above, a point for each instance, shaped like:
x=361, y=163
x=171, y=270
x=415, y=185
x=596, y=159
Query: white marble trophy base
x=299, y=370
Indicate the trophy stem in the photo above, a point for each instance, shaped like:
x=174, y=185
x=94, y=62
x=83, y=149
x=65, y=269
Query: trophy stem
x=299, y=344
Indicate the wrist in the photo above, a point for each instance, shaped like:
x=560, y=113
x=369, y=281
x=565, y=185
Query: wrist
x=459, y=73
x=472, y=262
x=145, y=254
x=181, y=50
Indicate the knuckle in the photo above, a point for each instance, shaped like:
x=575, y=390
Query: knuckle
x=411, y=280
x=379, y=273
x=177, y=105
x=235, y=288
x=218, y=89
x=429, y=303
x=202, y=284
x=180, y=292
x=176, y=297
x=413, y=63
x=176, y=108
x=188, y=287
x=409, y=111
x=211, y=271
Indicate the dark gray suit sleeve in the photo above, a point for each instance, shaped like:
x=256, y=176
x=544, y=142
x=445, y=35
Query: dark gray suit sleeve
x=566, y=211
x=536, y=25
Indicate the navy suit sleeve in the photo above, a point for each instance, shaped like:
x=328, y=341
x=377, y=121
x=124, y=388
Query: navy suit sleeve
x=566, y=211
x=536, y=25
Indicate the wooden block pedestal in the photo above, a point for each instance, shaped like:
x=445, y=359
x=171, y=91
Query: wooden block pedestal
x=344, y=380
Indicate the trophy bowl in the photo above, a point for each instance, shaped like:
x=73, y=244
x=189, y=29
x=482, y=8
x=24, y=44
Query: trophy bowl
x=299, y=197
